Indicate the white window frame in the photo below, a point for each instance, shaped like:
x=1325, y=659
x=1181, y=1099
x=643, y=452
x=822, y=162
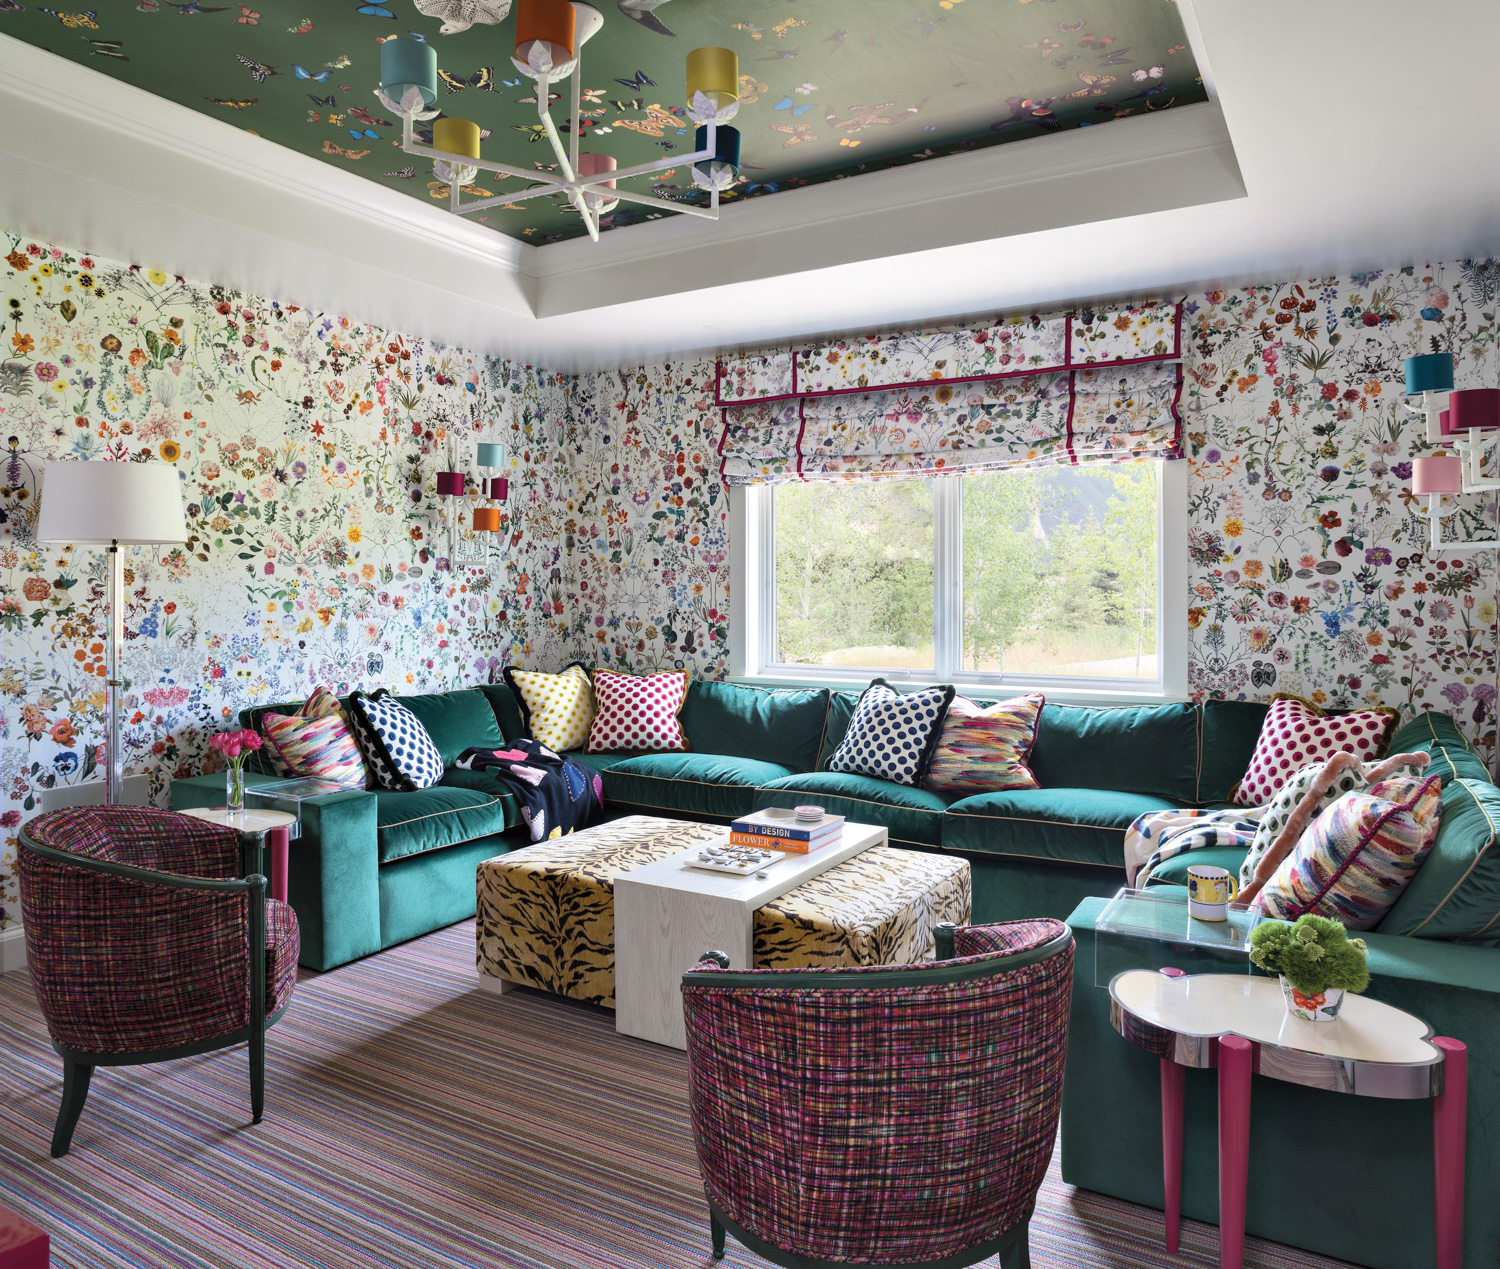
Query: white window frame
x=752, y=562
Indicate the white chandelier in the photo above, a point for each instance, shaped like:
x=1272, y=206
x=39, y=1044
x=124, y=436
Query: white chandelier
x=550, y=35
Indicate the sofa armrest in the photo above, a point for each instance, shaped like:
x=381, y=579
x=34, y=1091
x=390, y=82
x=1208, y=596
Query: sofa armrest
x=332, y=873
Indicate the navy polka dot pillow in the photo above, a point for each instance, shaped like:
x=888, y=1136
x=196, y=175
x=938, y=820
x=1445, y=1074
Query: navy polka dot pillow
x=397, y=746
x=892, y=734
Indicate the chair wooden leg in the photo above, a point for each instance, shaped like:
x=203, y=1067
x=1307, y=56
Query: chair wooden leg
x=257, y=1075
x=75, y=1092
x=1018, y=1254
x=718, y=1234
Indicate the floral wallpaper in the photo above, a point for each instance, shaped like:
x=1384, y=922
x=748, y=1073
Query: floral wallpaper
x=308, y=446
x=1310, y=571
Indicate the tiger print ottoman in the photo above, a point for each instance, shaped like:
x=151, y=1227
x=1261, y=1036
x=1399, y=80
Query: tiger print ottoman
x=546, y=913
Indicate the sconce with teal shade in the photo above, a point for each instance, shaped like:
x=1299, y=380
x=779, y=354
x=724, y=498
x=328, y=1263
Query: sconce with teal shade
x=1428, y=374
x=406, y=65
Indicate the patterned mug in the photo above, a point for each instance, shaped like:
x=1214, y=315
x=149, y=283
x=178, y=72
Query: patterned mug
x=1210, y=892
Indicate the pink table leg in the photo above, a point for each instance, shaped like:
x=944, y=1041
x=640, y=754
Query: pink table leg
x=1171, y=1139
x=1449, y=1115
x=1236, y=1058
x=281, y=840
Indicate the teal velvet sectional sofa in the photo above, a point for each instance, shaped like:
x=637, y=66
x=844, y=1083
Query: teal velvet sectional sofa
x=1348, y=1177
x=372, y=869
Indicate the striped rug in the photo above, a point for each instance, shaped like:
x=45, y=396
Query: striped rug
x=414, y=1122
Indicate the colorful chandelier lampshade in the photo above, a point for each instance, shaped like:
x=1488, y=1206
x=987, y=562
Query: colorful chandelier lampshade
x=714, y=72
x=407, y=65
x=456, y=136
x=723, y=170
x=1441, y=474
x=546, y=35
x=486, y=519
x=450, y=484
x=499, y=488
x=1430, y=372
x=590, y=168
x=1472, y=409
x=490, y=454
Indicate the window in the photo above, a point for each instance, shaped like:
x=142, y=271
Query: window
x=1053, y=576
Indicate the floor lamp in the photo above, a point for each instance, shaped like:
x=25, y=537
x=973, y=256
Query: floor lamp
x=112, y=505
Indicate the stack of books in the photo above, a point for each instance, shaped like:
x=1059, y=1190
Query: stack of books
x=778, y=829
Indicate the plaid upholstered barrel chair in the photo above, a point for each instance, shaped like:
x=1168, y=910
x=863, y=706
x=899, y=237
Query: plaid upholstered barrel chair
x=144, y=943
x=888, y=1115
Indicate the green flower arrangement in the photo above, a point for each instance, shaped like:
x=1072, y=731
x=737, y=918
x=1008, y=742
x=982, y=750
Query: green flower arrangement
x=1314, y=954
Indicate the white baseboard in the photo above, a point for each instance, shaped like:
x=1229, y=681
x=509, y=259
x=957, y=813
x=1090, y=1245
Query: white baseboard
x=12, y=949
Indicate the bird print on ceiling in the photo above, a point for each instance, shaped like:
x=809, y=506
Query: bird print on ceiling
x=644, y=12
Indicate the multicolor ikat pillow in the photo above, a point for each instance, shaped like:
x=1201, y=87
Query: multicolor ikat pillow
x=557, y=709
x=322, y=747
x=1359, y=854
x=1296, y=732
x=637, y=713
x=983, y=749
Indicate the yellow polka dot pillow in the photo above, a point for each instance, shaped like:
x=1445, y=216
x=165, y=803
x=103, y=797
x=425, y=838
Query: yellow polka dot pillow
x=557, y=709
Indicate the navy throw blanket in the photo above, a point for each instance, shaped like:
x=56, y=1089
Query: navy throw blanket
x=557, y=795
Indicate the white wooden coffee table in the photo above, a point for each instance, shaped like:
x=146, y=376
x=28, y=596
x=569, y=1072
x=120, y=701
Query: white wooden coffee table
x=667, y=915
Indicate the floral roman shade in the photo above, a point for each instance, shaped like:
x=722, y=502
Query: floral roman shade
x=1026, y=392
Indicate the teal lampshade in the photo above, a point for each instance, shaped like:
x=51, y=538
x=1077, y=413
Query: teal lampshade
x=726, y=149
x=491, y=455
x=1429, y=372
x=408, y=64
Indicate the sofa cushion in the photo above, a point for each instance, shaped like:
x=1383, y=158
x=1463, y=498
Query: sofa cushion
x=1173, y=872
x=557, y=709
x=1230, y=730
x=1297, y=732
x=695, y=783
x=1453, y=757
x=458, y=810
x=598, y=761
x=1456, y=893
x=507, y=710
x=1078, y=826
x=637, y=713
x=836, y=725
x=1148, y=749
x=913, y=816
x=456, y=721
x=893, y=734
x=396, y=747
x=783, y=725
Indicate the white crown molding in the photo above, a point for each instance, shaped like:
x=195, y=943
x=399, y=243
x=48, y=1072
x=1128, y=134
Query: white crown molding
x=1131, y=167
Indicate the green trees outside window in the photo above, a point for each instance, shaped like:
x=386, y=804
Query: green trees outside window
x=1059, y=572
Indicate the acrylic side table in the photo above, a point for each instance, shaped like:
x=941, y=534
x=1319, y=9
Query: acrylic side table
x=1240, y=1025
x=254, y=825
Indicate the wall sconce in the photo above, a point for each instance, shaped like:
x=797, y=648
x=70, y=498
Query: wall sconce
x=494, y=488
x=454, y=485
x=1437, y=479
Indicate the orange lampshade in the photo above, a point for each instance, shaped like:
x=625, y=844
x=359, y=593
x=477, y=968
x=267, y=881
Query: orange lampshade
x=550, y=22
x=486, y=519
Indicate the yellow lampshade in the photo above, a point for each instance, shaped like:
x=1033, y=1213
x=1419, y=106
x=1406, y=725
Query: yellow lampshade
x=456, y=136
x=714, y=72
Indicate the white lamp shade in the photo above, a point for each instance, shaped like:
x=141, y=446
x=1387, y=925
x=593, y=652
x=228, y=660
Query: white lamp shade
x=93, y=503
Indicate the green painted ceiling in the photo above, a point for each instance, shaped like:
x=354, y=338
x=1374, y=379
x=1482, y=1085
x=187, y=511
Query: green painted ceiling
x=830, y=88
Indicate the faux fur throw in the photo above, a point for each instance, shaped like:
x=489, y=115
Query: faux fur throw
x=1305, y=797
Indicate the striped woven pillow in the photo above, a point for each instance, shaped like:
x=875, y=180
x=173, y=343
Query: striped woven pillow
x=986, y=749
x=1359, y=855
x=321, y=747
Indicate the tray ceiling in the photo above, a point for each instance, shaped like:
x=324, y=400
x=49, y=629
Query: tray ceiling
x=830, y=90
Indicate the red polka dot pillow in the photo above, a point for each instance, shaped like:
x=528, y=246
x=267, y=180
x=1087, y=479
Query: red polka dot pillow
x=637, y=713
x=1297, y=733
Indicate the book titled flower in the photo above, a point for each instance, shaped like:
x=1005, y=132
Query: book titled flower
x=785, y=828
x=791, y=845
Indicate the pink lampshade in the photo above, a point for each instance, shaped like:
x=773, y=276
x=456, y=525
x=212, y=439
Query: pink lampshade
x=450, y=484
x=1471, y=408
x=1443, y=474
x=592, y=165
x=499, y=488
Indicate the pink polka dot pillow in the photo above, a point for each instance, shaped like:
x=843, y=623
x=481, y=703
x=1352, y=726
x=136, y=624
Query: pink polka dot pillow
x=637, y=713
x=1297, y=733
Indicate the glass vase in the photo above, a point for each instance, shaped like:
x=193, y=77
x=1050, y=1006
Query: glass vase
x=234, y=787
